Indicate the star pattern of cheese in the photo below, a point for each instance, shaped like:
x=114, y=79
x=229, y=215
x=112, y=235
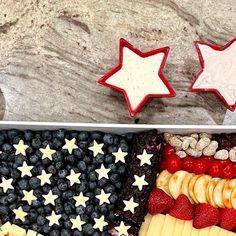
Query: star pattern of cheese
x=20, y=148
x=29, y=196
x=6, y=184
x=130, y=205
x=102, y=172
x=140, y=182
x=50, y=198
x=70, y=145
x=120, y=155
x=20, y=214
x=80, y=200
x=122, y=229
x=44, y=178
x=53, y=219
x=47, y=152
x=77, y=223
x=100, y=223
x=103, y=197
x=96, y=148
x=145, y=158
x=25, y=170
x=73, y=178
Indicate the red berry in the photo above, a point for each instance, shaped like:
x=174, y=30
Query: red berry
x=173, y=163
x=168, y=150
x=205, y=215
x=215, y=168
x=228, y=171
x=187, y=163
x=183, y=209
x=200, y=166
x=159, y=202
x=228, y=217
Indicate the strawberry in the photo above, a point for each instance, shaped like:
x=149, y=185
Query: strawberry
x=159, y=202
x=205, y=215
x=183, y=209
x=228, y=217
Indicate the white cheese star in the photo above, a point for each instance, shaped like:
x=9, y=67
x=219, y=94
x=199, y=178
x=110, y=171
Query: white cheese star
x=103, y=197
x=25, y=169
x=29, y=196
x=100, y=223
x=140, y=182
x=50, y=198
x=120, y=156
x=70, y=145
x=20, y=214
x=102, y=172
x=44, y=178
x=122, y=229
x=77, y=223
x=53, y=219
x=6, y=184
x=20, y=148
x=73, y=177
x=130, y=205
x=47, y=152
x=145, y=158
x=96, y=148
x=81, y=200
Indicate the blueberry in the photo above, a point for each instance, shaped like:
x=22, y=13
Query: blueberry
x=59, y=165
x=57, y=143
x=33, y=159
x=80, y=210
x=112, y=148
x=121, y=169
x=103, y=208
x=97, y=233
x=68, y=208
x=46, y=229
x=129, y=136
x=12, y=133
x=67, y=194
x=23, y=184
x=78, y=233
x=97, y=135
x=67, y=224
x=91, y=168
x=41, y=210
x=60, y=134
x=34, y=182
x=6, y=147
x=79, y=153
x=46, y=162
x=88, y=229
x=36, y=143
x=92, y=185
x=110, y=188
x=89, y=194
x=12, y=206
x=112, y=167
x=52, y=169
x=32, y=215
x=114, y=178
x=95, y=215
x=83, y=135
x=15, y=174
x=65, y=232
x=64, y=216
x=99, y=158
x=47, y=134
x=83, y=144
x=62, y=173
x=26, y=208
x=109, y=158
x=28, y=135
x=82, y=176
x=46, y=188
x=71, y=159
x=62, y=185
x=36, y=227
x=4, y=170
x=97, y=191
x=111, y=216
x=38, y=193
x=48, y=209
x=56, y=191
x=36, y=204
x=2, y=139
x=58, y=156
x=118, y=185
x=124, y=146
x=41, y=220
x=92, y=176
x=29, y=150
x=11, y=197
x=59, y=208
x=89, y=209
x=108, y=139
x=83, y=186
x=82, y=166
x=55, y=233
x=111, y=207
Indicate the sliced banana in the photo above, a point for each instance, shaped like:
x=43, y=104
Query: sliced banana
x=191, y=187
x=218, y=193
x=227, y=191
x=200, y=188
x=163, y=180
x=185, y=184
x=175, y=183
x=210, y=189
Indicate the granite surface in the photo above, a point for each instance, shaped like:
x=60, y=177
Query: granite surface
x=53, y=52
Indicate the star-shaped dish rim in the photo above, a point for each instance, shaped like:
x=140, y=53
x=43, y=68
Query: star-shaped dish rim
x=202, y=63
x=124, y=43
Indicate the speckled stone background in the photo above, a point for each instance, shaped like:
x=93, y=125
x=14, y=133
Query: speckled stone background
x=52, y=52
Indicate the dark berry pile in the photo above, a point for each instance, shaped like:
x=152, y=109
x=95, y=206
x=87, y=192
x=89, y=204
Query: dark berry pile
x=81, y=161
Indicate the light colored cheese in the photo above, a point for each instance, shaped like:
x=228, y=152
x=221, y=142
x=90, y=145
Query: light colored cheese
x=5, y=228
x=15, y=230
x=179, y=226
x=214, y=231
x=187, y=228
x=204, y=232
x=168, y=226
x=145, y=226
x=31, y=233
x=156, y=225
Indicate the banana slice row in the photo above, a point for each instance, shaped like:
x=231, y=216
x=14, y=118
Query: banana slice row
x=199, y=188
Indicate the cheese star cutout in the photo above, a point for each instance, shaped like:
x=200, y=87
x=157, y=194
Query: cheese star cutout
x=6, y=184
x=44, y=178
x=218, y=72
x=70, y=145
x=120, y=156
x=100, y=223
x=145, y=158
x=140, y=182
x=103, y=197
x=47, y=152
x=122, y=229
x=53, y=219
x=102, y=172
x=20, y=214
x=50, y=198
x=96, y=148
x=29, y=196
x=25, y=169
x=77, y=223
x=20, y=148
x=130, y=205
x=139, y=76
x=73, y=177
x=81, y=200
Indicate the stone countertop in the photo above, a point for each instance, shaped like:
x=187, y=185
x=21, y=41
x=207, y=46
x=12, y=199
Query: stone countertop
x=53, y=53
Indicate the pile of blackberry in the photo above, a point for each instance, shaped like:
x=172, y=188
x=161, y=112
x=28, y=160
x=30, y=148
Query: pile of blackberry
x=81, y=160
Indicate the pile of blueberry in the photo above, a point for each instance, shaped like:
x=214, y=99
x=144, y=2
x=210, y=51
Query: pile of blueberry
x=81, y=161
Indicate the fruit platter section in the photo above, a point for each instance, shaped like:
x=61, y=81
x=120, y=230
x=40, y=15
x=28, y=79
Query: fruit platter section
x=79, y=183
